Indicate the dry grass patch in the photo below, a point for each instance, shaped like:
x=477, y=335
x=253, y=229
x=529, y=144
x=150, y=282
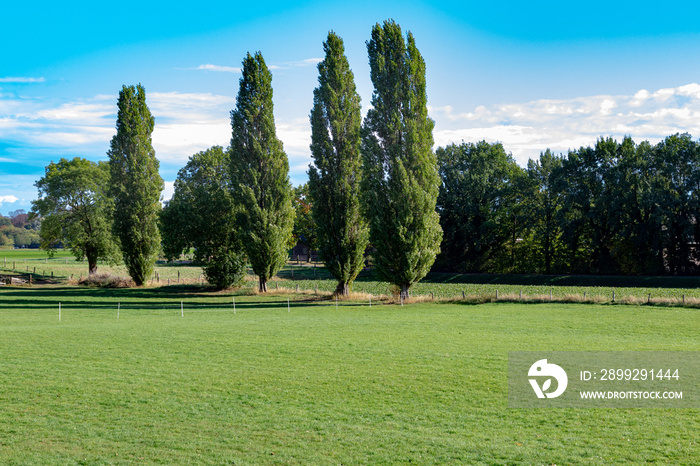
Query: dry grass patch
x=104, y=280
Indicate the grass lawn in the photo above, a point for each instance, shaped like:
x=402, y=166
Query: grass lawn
x=63, y=266
x=681, y=291
x=424, y=383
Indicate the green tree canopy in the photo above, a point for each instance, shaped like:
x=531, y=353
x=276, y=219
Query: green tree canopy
x=544, y=198
x=400, y=177
x=334, y=177
x=260, y=173
x=305, y=230
x=76, y=210
x=202, y=215
x=476, y=199
x=135, y=184
x=676, y=188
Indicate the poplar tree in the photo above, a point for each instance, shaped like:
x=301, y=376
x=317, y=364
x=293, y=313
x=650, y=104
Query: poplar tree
x=334, y=178
x=135, y=184
x=260, y=173
x=400, y=182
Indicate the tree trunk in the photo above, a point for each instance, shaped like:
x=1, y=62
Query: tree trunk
x=404, y=291
x=343, y=289
x=92, y=263
x=263, y=285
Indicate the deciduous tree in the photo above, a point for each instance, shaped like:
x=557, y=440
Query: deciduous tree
x=76, y=210
x=400, y=177
x=544, y=201
x=475, y=204
x=334, y=177
x=260, y=173
x=305, y=230
x=202, y=215
x=135, y=184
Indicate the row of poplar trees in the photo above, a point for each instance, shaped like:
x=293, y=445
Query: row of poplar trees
x=616, y=208
x=375, y=181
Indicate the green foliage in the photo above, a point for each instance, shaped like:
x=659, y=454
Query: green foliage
x=260, y=173
x=476, y=202
x=11, y=237
x=202, y=215
x=76, y=210
x=400, y=178
x=677, y=191
x=615, y=208
x=543, y=201
x=334, y=177
x=630, y=209
x=19, y=230
x=590, y=206
x=135, y=184
x=6, y=239
x=305, y=229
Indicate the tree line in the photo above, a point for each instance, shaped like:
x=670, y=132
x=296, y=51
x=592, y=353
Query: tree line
x=375, y=181
x=614, y=208
x=375, y=185
x=18, y=231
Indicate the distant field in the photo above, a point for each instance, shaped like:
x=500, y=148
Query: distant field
x=477, y=288
x=424, y=383
x=64, y=266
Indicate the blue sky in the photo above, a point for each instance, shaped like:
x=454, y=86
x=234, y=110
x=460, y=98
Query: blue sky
x=531, y=75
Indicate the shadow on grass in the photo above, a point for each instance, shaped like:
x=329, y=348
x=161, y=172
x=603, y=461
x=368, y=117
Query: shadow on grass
x=555, y=280
x=166, y=297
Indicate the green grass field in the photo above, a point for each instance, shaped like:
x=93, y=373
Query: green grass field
x=659, y=290
x=62, y=266
x=423, y=383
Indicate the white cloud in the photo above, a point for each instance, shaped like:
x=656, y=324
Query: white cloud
x=22, y=80
x=187, y=123
x=73, y=136
x=175, y=143
x=296, y=64
x=94, y=112
x=296, y=135
x=606, y=106
x=168, y=190
x=189, y=107
x=8, y=199
x=307, y=62
x=639, y=98
x=526, y=129
x=225, y=69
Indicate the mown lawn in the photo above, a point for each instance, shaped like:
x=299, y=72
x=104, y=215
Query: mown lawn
x=423, y=383
x=681, y=291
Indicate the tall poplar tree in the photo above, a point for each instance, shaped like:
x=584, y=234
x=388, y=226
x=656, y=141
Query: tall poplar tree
x=400, y=181
x=260, y=173
x=135, y=184
x=334, y=178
